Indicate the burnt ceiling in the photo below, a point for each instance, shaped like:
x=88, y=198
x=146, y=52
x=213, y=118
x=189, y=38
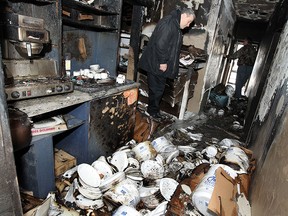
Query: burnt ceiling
x=255, y=10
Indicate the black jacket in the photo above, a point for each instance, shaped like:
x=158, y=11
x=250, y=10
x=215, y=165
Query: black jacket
x=164, y=47
x=246, y=55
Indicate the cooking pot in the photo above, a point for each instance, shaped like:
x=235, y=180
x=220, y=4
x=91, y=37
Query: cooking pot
x=20, y=127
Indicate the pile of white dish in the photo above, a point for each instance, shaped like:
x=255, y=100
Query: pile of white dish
x=94, y=72
x=145, y=172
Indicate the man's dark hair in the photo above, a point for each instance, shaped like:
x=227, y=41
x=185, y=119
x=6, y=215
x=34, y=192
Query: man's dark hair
x=188, y=11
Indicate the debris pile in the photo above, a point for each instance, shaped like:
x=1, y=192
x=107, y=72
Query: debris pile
x=174, y=174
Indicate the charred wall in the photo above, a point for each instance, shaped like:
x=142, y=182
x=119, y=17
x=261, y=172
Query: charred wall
x=268, y=110
x=268, y=138
x=220, y=28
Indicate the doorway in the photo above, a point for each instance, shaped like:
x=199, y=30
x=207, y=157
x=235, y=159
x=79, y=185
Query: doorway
x=233, y=66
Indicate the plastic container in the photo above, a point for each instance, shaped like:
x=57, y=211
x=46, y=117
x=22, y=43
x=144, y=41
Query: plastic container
x=160, y=143
x=144, y=151
x=203, y=192
x=127, y=211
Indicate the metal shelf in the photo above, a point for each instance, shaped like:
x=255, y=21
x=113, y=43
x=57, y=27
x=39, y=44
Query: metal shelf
x=87, y=8
x=78, y=24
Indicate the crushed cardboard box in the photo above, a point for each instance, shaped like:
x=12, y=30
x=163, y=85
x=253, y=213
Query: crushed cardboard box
x=223, y=200
x=63, y=161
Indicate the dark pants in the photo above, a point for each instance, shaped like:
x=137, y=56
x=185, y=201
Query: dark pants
x=243, y=74
x=156, y=86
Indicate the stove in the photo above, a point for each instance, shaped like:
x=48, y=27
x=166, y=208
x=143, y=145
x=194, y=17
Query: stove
x=31, y=88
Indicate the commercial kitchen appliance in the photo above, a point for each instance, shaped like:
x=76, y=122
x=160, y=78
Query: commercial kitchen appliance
x=28, y=73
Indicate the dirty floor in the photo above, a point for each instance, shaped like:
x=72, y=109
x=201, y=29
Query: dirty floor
x=208, y=128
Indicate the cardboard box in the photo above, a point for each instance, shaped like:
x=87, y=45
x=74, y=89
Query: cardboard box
x=47, y=130
x=63, y=162
x=50, y=125
x=223, y=200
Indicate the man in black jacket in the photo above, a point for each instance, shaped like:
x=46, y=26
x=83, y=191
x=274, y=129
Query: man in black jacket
x=160, y=59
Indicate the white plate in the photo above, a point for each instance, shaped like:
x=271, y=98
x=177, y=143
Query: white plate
x=186, y=149
x=112, y=180
x=90, y=193
x=89, y=175
x=168, y=187
x=172, y=155
x=103, y=168
x=133, y=164
x=85, y=203
x=120, y=160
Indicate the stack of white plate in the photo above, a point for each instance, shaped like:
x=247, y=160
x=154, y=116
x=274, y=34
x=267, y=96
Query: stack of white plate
x=112, y=180
x=87, y=185
x=85, y=203
x=88, y=175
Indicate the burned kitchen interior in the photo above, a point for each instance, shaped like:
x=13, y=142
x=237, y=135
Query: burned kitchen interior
x=76, y=138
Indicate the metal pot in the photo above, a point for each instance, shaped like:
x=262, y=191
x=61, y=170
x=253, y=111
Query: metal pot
x=20, y=127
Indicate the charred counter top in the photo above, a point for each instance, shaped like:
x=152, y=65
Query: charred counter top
x=81, y=94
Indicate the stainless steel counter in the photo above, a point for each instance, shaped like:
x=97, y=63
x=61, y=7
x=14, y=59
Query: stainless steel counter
x=38, y=106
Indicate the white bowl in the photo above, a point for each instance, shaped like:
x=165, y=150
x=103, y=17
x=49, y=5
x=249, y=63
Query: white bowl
x=160, y=143
x=168, y=187
x=89, y=175
x=103, y=168
x=144, y=151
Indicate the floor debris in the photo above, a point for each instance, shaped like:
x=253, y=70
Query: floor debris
x=170, y=168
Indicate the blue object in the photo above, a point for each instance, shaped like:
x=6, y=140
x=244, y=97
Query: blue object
x=219, y=100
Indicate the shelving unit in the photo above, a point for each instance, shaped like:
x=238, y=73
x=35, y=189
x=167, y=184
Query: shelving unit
x=94, y=17
x=98, y=10
x=35, y=165
x=98, y=27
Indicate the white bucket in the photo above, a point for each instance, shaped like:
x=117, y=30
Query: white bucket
x=129, y=191
x=127, y=211
x=144, y=151
x=160, y=143
x=203, y=192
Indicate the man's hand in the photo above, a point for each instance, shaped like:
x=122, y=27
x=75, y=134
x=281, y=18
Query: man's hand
x=163, y=67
